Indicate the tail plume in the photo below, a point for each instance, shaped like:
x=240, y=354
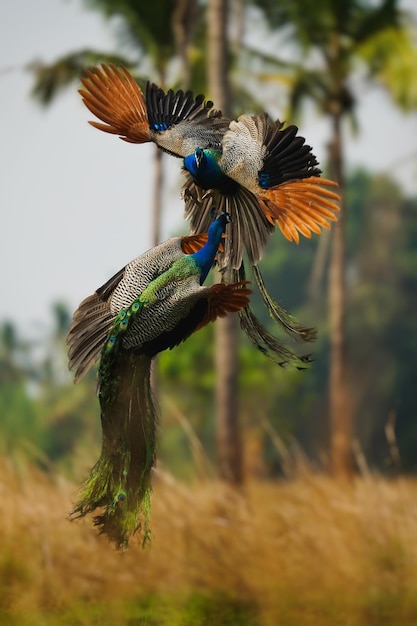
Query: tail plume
x=280, y=315
x=265, y=341
x=270, y=345
x=120, y=481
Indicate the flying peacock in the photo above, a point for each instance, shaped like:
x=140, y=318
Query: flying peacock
x=152, y=304
x=262, y=174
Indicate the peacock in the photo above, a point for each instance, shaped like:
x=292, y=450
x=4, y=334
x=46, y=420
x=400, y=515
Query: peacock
x=253, y=168
x=259, y=172
x=152, y=304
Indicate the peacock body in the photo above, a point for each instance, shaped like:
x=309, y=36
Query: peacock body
x=152, y=304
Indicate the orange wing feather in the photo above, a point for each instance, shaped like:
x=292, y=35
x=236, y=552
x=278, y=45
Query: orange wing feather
x=193, y=243
x=303, y=206
x=224, y=299
x=113, y=96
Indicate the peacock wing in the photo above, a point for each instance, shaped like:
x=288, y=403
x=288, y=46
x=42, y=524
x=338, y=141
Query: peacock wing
x=277, y=166
x=258, y=152
x=192, y=243
x=90, y=326
x=143, y=270
x=93, y=319
x=222, y=299
x=112, y=95
x=244, y=149
x=190, y=312
x=180, y=122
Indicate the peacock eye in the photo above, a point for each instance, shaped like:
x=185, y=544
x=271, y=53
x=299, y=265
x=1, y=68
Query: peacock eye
x=135, y=306
x=110, y=342
x=123, y=324
x=120, y=499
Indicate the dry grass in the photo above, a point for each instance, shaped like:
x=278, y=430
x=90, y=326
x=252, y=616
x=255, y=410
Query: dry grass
x=300, y=553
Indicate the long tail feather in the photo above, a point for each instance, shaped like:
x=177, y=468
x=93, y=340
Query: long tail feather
x=265, y=341
x=268, y=344
x=280, y=315
x=120, y=481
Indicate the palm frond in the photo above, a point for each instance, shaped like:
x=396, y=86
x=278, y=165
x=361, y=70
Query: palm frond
x=51, y=79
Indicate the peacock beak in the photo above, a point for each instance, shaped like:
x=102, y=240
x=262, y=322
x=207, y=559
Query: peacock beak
x=199, y=156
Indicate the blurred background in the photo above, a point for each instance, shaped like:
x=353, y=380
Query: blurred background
x=310, y=515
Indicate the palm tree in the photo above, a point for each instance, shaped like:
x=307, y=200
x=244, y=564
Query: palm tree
x=341, y=38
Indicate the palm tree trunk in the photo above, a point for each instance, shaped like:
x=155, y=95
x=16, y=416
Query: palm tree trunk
x=184, y=21
x=339, y=400
x=229, y=445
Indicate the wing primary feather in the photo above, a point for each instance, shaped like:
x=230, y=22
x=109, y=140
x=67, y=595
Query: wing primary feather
x=166, y=109
x=105, y=291
x=112, y=95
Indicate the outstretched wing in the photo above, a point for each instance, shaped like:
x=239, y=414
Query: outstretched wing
x=176, y=121
x=281, y=171
x=183, y=308
x=259, y=153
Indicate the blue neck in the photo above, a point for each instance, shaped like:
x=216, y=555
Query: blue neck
x=204, y=257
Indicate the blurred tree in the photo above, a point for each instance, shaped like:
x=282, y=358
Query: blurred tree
x=336, y=41
x=373, y=303
x=404, y=338
x=18, y=416
x=229, y=445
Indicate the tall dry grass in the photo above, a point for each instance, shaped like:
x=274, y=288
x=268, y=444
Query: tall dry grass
x=304, y=552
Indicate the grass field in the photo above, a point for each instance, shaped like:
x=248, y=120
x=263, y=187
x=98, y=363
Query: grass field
x=307, y=552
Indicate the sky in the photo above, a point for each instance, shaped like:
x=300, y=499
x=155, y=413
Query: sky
x=76, y=202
